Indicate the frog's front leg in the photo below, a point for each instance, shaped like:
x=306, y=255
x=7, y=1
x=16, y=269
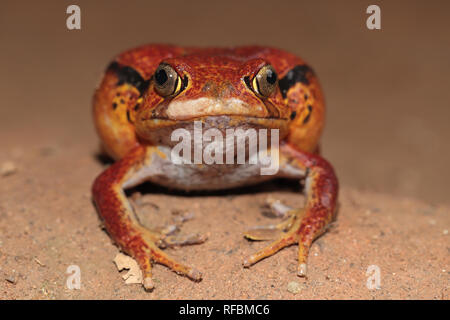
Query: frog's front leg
x=306, y=224
x=120, y=220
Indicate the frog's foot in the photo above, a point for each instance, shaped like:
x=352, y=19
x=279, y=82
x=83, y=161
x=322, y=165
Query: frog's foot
x=286, y=233
x=145, y=249
x=304, y=225
x=164, y=237
x=274, y=231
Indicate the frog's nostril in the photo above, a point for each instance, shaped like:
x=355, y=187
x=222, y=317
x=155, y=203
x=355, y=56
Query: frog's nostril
x=227, y=89
x=210, y=87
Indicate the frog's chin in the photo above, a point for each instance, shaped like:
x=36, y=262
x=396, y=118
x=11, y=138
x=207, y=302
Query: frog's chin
x=160, y=131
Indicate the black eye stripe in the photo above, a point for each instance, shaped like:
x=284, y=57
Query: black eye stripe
x=299, y=73
x=129, y=75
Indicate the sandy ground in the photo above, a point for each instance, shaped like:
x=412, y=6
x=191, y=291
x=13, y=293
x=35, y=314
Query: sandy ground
x=387, y=136
x=47, y=223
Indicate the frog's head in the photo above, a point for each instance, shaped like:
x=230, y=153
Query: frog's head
x=150, y=90
x=218, y=90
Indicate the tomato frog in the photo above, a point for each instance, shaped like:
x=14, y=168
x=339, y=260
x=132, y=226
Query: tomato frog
x=149, y=91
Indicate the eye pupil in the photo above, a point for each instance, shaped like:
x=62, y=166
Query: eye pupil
x=161, y=77
x=271, y=77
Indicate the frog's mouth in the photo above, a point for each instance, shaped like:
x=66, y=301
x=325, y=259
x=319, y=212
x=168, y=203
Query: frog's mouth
x=160, y=131
x=217, y=113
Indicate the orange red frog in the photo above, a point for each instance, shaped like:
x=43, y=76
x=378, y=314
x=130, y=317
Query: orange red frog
x=150, y=91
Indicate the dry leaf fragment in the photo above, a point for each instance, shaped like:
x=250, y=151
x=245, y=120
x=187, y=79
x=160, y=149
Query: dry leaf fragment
x=134, y=274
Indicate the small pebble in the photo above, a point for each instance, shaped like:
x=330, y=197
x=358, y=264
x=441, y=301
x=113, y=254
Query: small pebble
x=8, y=168
x=445, y=231
x=294, y=287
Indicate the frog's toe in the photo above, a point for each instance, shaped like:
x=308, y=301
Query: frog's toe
x=283, y=241
x=259, y=233
x=162, y=258
x=148, y=284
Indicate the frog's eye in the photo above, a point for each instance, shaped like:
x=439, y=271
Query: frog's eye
x=167, y=80
x=265, y=81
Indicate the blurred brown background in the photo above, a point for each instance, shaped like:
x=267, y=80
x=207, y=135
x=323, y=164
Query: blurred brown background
x=387, y=91
x=387, y=136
